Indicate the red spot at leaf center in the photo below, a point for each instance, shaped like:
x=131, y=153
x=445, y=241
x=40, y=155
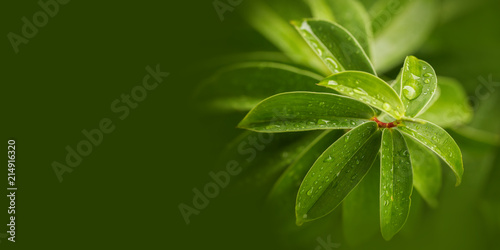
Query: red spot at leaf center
x=385, y=125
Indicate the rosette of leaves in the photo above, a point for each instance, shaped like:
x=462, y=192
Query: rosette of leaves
x=330, y=83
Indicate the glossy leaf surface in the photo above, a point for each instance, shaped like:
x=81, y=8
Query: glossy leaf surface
x=336, y=172
x=301, y=111
x=350, y=14
x=395, y=183
x=439, y=141
x=336, y=47
x=416, y=85
x=368, y=89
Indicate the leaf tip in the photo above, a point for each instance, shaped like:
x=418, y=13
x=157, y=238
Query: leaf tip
x=387, y=237
x=458, y=176
x=300, y=219
x=242, y=125
x=300, y=215
x=389, y=233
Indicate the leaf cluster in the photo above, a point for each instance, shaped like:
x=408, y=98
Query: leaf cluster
x=391, y=126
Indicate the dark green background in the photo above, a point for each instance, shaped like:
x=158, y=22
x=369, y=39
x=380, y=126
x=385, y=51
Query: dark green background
x=126, y=193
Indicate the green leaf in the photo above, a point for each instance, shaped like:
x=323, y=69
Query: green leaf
x=395, y=183
x=451, y=108
x=338, y=49
x=336, y=172
x=350, y=14
x=416, y=85
x=242, y=86
x=278, y=31
x=426, y=171
x=400, y=28
x=285, y=189
x=360, y=210
x=302, y=111
x=439, y=141
x=368, y=89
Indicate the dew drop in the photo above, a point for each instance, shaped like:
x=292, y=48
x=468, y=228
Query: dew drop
x=332, y=64
x=360, y=91
x=386, y=106
x=273, y=127
x=310, y=191
x=409, y=92
x=328, y=159
x=412, y=89
x=332, y=83
x=322, y=122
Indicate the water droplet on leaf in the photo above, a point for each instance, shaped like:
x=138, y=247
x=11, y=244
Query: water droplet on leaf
x=332, y=83
x=412, y=89
x=310, y=191
x=360, y=91
x=386, y=106
x=328, y=159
